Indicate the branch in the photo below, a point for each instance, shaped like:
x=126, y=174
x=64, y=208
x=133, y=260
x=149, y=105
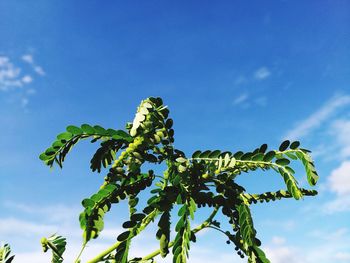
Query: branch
x=205, y=224
x=267, y=196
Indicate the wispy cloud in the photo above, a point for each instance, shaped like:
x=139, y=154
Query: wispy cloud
x=334, y=247
x=262, y=73
x=340, y=131
x=27, y=79
x=30, y=60
x=316, y=119
x=339, y=180
x=244, y=100
x=240, y=99
x=330, y=128
x=52, y=213
x=15, y=226
x=15, y=78
x=339, y=183
x=9, y=75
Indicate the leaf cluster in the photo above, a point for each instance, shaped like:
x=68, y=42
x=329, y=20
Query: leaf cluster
x=205, y=179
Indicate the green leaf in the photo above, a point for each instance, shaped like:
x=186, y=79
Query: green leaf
x=246, y=224
x=50, y=151
x=65, y=136
x=86, y=128
x=57, y=244
x=169, y=123
x=258, y=157
x=137, y=217
x=88, y=203
x=247, y=156
x=74, y=130
x=282, y=161
x=205, y=154
x=100, y=131
x=226, y=159
x=129, y=224
x=312, y=176
x=291, y=155
x=284, y=145
x=214, y=154
x=5, y=254
x=257, y=256
x=182, y=210
x=123, y=236
x=57, y=144
x=121, y=255
x=163, y=233
x=44, y=157
x=182, y=240
x=294, y=145
x=291, y=183
x=263, y=148
x=238, y=155
x=269, y=156
x=120, y=134
x=196, y=154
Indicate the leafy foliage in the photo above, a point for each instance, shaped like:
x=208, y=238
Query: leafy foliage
x=57, y=244
x=5, y=254
x=206, y=179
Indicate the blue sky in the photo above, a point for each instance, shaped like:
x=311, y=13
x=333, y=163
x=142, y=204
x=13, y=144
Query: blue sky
x=234, y=75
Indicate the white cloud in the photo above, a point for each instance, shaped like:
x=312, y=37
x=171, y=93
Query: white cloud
x=244, y=100
x=339, y=180
x=343, y=256
x=9, y=75
x=240, y=99
x=320, y=116
x=278, y=240
x=281, y=254
x=15, y=79
x=39, y=70
x=3, y=60
x=27, y=79
x=262, y=73
x=333, y=236
x=15, y=226
x=339, y=204
x=28, y=58
x=327, y=247
x=340, y=130
x=339, y=183
x=52, y=213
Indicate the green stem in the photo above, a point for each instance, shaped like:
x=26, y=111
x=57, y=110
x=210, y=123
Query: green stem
x=81, y=251
x=218, y=229
x=134, y=233
x=205, y=224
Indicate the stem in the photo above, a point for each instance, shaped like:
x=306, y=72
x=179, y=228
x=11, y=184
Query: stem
x=218, y=229
x=81, y=251
x=205, y=224
x=134, y=233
